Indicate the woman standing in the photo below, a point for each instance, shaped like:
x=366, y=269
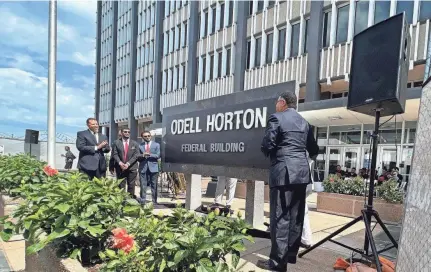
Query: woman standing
x=69, y=158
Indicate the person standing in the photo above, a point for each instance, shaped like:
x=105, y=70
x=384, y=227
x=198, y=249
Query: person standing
x=148, y=166
x=288, y=137
x=92, y=147
x=230, y=185
x=69, y=158
x=112, y=164
x=125, y=153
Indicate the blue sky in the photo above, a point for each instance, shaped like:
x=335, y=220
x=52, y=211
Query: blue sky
x=24, y=65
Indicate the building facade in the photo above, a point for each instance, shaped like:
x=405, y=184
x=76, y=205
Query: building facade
x=156, y=54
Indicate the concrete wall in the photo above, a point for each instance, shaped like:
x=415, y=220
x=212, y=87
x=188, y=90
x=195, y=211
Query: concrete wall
x=414, y=253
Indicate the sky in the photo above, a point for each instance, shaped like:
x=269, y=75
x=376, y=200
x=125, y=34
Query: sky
x=24, y=65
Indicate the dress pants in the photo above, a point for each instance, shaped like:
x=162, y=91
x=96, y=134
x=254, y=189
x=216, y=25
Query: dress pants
x=129, y=178
x=93, y=173
x=230, y=184
x=287, y=208
x=149, y=178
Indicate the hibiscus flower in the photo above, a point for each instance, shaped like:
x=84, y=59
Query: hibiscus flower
x=122, y=240
x=49, y=171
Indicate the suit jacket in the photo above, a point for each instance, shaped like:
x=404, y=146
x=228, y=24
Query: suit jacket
x=287, y=139
x=150, y=163
x=89, y=158
x=132, y=154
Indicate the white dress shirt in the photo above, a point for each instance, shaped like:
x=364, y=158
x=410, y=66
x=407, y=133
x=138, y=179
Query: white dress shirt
x=96, y=135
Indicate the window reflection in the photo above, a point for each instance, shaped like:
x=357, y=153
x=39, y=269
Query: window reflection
x=406, y=6
x=326, y=29
x=382, y=9
x=342, y=24
x=425, y=11
x=361, y=16
x=345, y=135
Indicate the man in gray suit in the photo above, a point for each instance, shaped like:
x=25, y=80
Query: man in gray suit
x=287, y=139
x=125, y=152
x=148, y=166
x=92, y=147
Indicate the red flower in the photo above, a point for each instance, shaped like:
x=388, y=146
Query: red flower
x=49, y=171
x=122, y=240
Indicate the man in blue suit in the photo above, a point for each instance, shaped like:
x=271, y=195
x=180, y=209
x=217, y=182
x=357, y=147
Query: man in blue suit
x=148, y=166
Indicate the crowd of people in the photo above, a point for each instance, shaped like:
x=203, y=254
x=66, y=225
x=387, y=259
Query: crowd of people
x=130, y=161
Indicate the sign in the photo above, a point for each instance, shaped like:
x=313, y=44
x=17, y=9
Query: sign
x=228, y=135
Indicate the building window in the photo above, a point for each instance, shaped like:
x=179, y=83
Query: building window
x=382, y=10
x=219, y=63
x=361, y=16
x=206, y=24
x=260, y=5
x=213, y=26
x=228, y=63
x=408, y=7
x=222, y=16
x=282, y=44
x=269, y=47
x=204, y=66
x=250, y=7
x=306, y=36
x=230, y=12
x=185, y=34
x=294, y=42
x=248, y=54
x=326, y=29
x=184, y=75
x=425, y=11
x=211, y=67
x=271, y=3
x=342, y=24
x=258, y=52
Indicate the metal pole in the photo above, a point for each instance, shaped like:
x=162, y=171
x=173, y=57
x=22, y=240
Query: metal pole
x=52, y=59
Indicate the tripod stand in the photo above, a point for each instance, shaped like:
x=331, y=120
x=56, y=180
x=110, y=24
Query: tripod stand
x=366, y=214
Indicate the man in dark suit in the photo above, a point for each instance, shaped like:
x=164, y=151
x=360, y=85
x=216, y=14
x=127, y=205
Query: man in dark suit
x=287, y=139
x=125, y=153
x=112, y=163
x=92, y=147
x=148, y=166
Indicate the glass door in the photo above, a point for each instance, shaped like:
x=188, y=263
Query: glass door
x=387, y=158
x=406, y=162
x=334, y=158
x=351, y=159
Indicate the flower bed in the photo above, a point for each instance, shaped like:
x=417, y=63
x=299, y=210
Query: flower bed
x=346, y=198
x=96, y=222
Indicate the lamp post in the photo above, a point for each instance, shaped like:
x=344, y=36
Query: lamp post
x=52, y=59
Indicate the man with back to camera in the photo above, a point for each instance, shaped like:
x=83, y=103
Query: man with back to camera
x=92, y=147
x=288, y=137
x=125, y=152
x=148, y=166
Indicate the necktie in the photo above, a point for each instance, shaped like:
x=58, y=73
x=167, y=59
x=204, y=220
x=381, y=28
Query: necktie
x=126, y=148
x=147, y=147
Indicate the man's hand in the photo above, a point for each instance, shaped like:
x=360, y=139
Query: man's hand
x=146, y=154
x=123, y=166
x=102, y=145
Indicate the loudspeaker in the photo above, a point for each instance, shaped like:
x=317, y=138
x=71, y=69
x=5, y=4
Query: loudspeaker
x=31, y=136
x=379, y=68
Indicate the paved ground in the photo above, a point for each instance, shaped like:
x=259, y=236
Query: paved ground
x=319, y=260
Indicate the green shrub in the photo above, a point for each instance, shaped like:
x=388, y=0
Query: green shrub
x=390, y=192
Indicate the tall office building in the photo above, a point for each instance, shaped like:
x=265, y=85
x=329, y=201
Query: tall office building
x=153, y=54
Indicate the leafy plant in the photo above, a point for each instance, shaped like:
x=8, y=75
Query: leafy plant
x=390, y=192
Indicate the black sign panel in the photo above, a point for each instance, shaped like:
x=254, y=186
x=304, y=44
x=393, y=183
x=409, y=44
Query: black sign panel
x=228, y=135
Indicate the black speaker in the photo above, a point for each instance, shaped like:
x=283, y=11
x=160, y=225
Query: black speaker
x=379, y=68
x=31, y=136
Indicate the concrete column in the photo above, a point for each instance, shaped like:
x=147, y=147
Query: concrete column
x=113, y=127
x=98, y=41
x=314, y=38
x=193, y=191
x=133, y=123
x=240, y=46
x=158, y=53
x=193, y=30
x=254, y=203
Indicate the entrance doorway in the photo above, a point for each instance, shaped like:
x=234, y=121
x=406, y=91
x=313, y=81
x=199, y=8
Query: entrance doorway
x=346, y=157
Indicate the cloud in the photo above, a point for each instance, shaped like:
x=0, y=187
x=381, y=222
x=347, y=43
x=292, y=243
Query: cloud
x=82, y=8
x=22, y=61
x=31, y=34
x=24, y=98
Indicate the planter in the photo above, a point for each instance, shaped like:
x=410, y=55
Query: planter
x=351, y=206
x=318, y=186
x=7, y=206
x=46, y=260
x=241, y=191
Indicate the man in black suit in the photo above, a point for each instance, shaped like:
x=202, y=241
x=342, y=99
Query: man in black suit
x=287, y=139
x=125, y=153
x=92, y=147
x=112, y=163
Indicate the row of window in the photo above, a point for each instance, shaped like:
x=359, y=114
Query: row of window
x=145, y=54
x=147, y=18
x=175, y=38
x=144, y=88
x=174, y=78
x=214, y=66
x=215, y=18
x=122, y=96
x=172, y=5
